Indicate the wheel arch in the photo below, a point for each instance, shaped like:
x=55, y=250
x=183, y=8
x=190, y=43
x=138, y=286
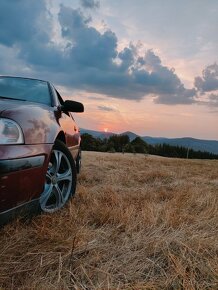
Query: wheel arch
x=61, y=137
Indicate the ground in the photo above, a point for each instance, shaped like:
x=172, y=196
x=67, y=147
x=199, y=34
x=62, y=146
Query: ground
x=136, y=222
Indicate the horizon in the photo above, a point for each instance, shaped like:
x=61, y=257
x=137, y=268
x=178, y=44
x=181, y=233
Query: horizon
x=152, y=68
x=144, y=135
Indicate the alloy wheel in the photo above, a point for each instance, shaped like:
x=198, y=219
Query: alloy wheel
x=58, y=184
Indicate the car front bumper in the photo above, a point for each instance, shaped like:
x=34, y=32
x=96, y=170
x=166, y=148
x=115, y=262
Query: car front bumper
x=12, y=165
x=22, y=173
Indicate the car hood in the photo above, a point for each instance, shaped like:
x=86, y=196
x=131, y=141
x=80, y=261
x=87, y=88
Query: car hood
x=10, y=105
x=38, y=121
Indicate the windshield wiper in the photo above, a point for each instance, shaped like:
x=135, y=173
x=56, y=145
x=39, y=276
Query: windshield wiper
x=2, y=97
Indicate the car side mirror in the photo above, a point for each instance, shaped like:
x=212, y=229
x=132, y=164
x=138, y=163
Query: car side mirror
x=72, y=106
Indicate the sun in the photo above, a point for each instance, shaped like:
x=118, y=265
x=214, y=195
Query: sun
x=105, y=130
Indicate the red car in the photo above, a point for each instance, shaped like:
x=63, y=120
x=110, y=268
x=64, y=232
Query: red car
x=40, y=153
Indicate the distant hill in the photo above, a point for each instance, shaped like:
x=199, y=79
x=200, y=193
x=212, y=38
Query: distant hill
x=196, y=144
x=131, y=135
x=97, y=134
x=188, y=142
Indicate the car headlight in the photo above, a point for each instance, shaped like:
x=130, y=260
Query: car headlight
x=10, y=132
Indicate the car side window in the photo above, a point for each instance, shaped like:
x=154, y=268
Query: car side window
x=61, y=101
x=59, y=97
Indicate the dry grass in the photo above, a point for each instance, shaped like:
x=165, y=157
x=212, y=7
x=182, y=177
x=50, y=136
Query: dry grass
x=136, y=222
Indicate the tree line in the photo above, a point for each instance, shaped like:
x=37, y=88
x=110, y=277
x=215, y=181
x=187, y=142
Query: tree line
x=122, y=143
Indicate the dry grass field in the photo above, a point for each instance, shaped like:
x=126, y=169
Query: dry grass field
x=136, y=222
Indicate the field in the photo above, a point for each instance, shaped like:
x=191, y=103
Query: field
x=136, y=222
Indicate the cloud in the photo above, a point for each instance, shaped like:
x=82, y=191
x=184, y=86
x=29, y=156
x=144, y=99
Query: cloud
x=107, y=109
x=96, y=98
x=131, y=77
x=207, y=86
x=90, y=4
x=27, y=32
x=213, y=99
x=209, y=80
x=86, y=59
x=87, y=48
x=19, y=20
x=163, y=82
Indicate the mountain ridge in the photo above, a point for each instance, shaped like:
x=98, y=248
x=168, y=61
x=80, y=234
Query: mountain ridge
x=188, y=142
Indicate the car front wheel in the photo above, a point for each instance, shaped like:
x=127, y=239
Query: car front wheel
x=60, y=183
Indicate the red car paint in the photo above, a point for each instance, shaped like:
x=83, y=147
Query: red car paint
x=41, y=125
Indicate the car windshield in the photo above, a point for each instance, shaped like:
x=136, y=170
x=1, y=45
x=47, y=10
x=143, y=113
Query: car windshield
x=25, y=90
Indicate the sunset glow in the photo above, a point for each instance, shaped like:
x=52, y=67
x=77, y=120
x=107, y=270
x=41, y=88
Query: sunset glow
x=133, y=71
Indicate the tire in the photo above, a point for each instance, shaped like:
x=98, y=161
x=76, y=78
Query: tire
x=78, y=161
x=60, y=183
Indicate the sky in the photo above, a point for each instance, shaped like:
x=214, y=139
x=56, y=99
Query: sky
x=147, y=66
